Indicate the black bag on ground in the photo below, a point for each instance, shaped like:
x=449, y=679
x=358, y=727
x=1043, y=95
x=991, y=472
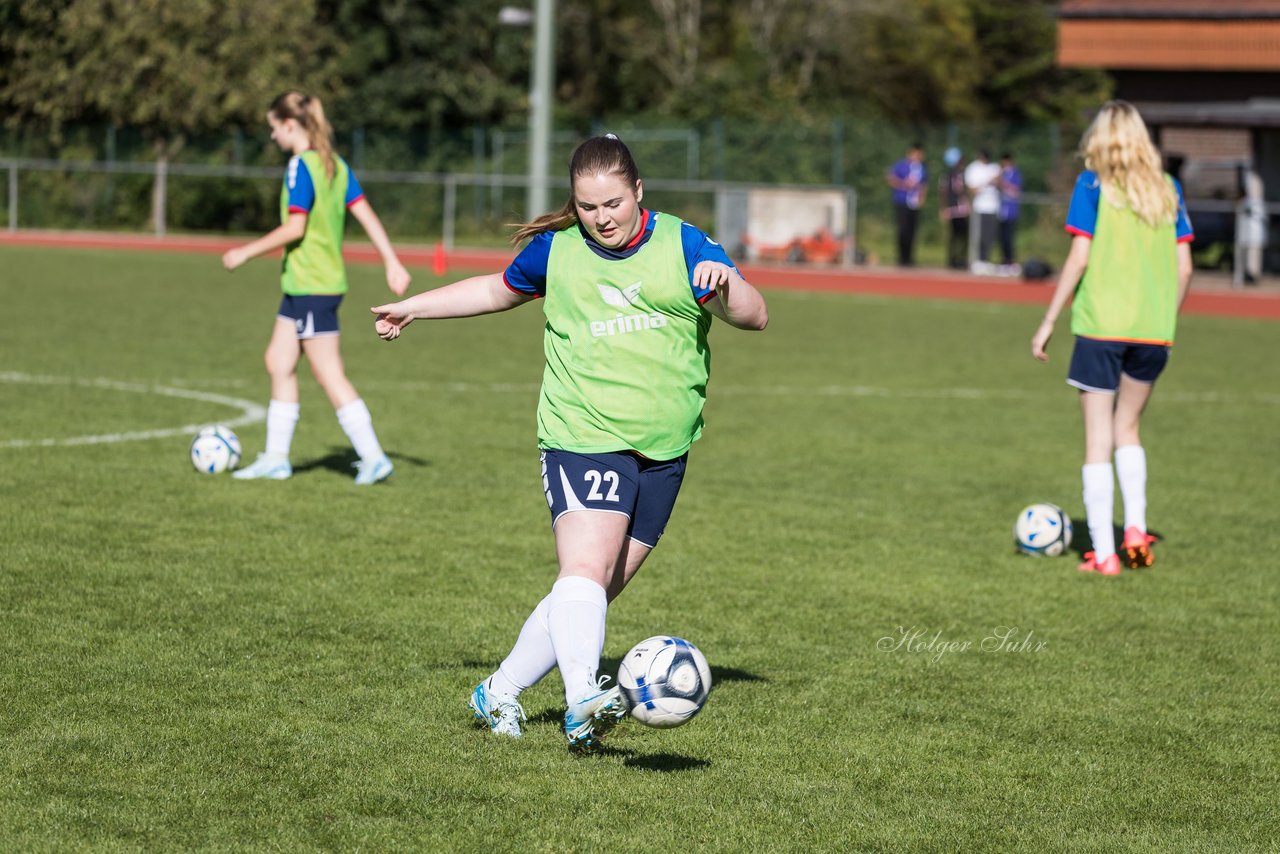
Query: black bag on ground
x=1035, y=270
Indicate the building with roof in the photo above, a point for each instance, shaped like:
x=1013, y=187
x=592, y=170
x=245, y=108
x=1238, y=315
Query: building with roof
x=1204, y=73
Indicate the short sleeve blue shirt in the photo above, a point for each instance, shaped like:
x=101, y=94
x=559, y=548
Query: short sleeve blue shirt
x=1082, y=216
x=302, y=189
x=914, y=175
x=527, y=273
x=1010, y=192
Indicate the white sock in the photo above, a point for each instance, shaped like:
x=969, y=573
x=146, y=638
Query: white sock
x=530, y=659
x=357, y=423
x=1131, y=470
x=575, y=620
x=281, y=419
x=1099, y=506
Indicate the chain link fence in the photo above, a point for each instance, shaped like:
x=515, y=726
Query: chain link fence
x=468, y=186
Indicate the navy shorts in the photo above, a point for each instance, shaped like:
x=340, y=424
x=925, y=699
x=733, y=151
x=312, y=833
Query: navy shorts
x=314, y=316
x=642, y=490
x=1096, y=365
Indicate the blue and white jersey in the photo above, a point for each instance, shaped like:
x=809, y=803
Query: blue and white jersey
x=302, y=189
x=527, y=273
x=910, y=178
x=1082, y=216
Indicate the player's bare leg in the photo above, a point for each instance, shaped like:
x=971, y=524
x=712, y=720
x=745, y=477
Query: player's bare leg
x=281, y=361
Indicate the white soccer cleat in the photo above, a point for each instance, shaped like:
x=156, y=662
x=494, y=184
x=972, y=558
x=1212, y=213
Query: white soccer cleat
x=372, y=471
x=592, y=715
x=501, y=714
x=266, y=467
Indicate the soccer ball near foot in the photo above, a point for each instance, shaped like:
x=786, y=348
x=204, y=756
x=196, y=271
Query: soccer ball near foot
x=1043, y=530
x=214, y=450
x=665, y=681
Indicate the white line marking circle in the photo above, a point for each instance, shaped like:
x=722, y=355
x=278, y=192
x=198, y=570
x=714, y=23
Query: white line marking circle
x=250, y=412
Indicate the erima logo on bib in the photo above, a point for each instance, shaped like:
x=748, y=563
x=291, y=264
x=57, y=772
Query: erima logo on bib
x=620, y=297
x=621, y=324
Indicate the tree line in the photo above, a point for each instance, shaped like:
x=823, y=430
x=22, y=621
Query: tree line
x=181, y=67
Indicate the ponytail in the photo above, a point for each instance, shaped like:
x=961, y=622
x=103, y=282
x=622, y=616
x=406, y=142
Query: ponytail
x=554, y=221
x=307, y=111
x=599, y=155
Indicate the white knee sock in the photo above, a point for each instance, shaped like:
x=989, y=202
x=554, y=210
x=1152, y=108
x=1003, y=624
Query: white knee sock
x=530, y=659
x=575, y=619
x=357, y=423
x=1131, y=470
x=1099, y=506
x=281, y=419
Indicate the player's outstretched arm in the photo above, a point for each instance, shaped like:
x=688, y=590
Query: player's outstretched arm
x=467, y=298
x=1072, y=269
x=397, y=276
x=290, y=231
x=1185, y=269
x=736, y=302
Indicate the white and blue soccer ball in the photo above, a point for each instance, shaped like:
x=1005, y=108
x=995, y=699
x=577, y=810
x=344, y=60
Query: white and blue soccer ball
x=215, y=449
x=665, y=681
x=1043, y=530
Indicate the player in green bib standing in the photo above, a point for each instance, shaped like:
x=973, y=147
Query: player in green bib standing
x=318, y=191
x=1129, y=268
x=629, y=295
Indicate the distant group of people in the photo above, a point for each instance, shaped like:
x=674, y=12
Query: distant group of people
x=982, y=192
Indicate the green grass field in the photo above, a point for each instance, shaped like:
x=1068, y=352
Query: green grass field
x=190, y=661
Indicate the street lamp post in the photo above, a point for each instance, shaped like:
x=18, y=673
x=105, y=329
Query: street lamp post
x=542, y=18
x=540, y=98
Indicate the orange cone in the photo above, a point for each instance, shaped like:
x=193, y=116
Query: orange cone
x=439, y=264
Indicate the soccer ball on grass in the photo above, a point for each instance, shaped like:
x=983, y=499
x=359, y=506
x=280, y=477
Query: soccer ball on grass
x=215, y=449
x=665, y=681
x=1043, y=530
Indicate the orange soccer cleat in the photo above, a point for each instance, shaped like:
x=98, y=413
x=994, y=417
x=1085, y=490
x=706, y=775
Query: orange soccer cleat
x=1137, y=548
x=1108, y=566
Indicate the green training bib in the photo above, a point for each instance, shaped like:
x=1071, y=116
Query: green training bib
x=626, y=348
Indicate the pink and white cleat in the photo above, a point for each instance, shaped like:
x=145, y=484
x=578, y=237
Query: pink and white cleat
x=1107, y=566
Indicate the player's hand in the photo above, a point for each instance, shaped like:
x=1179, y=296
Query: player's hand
x=1040, y=341
x=391, y=319
x=398, y=278
x=712, y=275
x=233, y=258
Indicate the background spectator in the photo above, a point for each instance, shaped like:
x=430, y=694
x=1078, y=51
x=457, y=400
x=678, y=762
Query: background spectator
x=954, y=209
x=1010, y=186
x=1252, y=224
x=980, y=177
x=907, y=179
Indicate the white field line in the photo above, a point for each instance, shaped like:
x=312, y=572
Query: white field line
x=253, y=413
x=250, y=412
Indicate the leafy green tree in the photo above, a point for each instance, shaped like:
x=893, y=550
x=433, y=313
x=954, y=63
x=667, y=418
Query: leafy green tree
x=908, y=60
x=433, y=63
x=169, y=68
x=179, y=67
x=1020, y=76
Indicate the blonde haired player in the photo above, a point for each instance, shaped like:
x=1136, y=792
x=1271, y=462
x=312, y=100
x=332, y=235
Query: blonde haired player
x=1129, y=268
x=319, y=189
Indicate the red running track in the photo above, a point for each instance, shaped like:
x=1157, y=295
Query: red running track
x=917, y=284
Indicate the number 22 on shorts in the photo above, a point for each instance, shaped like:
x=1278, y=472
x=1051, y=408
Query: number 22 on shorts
x=596, y=479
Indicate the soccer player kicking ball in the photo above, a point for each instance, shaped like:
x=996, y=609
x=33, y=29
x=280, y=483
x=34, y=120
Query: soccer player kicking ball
x=629, y=295
x=1131, y=258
